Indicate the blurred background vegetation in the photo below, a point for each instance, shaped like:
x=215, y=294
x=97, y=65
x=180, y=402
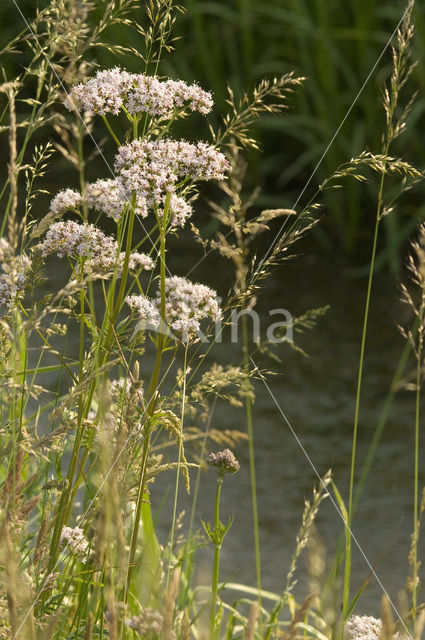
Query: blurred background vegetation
x=334, y=45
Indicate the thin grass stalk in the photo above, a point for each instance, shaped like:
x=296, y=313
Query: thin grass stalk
x=347, y=569
x=400, y=74
x=251, y=447
x=416, y=460
x=28, y=133
x=111, y=131
x=65, y=503
x=382, y=420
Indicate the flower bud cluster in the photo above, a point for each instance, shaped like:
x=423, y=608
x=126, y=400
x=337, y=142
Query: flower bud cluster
x=225, y=461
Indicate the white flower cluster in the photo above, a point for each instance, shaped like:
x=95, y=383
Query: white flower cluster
x=13, y=275
x=186, y=304
x=178, y=210
x=108, y=197
x=146, y=624
x=65, y=200
x=74, y=540
x=84, y=241
x=113, y=89
x=76, y=240
x=363, y=628
x=137, y=261
x=150, y=169
x=145, y=310
x=153, y=168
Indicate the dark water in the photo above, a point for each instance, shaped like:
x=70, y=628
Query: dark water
x=316, y=393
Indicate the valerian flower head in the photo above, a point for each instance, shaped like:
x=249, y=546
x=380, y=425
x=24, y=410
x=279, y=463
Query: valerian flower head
x=145, y=311
x=152, y=169
x=14, y=270
x=102, y=94
x=84, y=241
x=114, y=89
x=76, y=240
x=224, y=461
x=186, y=305
x=65, y=200
x=178, y=210
x=74, y=541
x=147, y=624
x=108, y=197
x=138, y=261
x=162, y=97
x=363, y=628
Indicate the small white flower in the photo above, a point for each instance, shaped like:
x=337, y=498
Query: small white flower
x=78, y=241
x=363, y=628
x=65, y=200
x=102, y=94
x=13, y=274
x=99, y=251
x=147, y=623
x=138, y=261
x=145, y=310
x=74, y=541
x=108, y=197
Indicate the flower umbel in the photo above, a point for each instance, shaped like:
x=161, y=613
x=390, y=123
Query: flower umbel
x=153, y=168
x=65, y=200
x=86, y=242
x=13, y=274
x=108, y=197
x=186, y=304
x=114, y=89
x=74, y=540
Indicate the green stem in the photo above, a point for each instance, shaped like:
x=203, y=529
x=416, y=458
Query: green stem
x=188, y=555
x=111, y=131
x=216, y=566
x=151, y=400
